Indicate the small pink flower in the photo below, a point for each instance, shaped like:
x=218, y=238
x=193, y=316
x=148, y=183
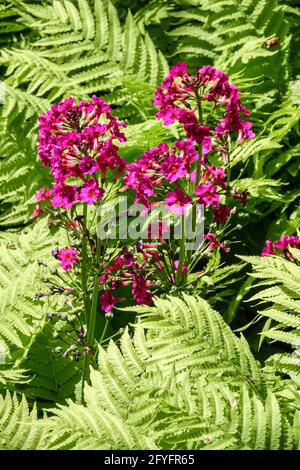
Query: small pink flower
x=283, y=243
x=107, y=301
x=67, y=257
x=38, y=211
x=207, y=194
x=43, y=194
x=206, y=145
x=221, y=213
x=88, y=165
x=294, y=241
x=173, y=168
x=286, y=241
x=139, y=290
x=91, y=192
x=183, y=268
x=214, y=243
x=64, y=196
x=177, y=200
x=269, y=249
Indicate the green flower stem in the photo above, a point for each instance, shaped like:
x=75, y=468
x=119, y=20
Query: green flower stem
x=194, y=208
x=91, y=326
x=104, y=331
x=86, y=298
x=181, y=254
x=199, y=106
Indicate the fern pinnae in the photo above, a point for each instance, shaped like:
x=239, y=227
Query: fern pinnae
x=101, y=22
x=87, y=19
x=114, y=37
x=274, y=422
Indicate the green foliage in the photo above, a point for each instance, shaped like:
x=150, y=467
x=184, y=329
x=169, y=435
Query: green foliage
x=184, y=381
x=279, y=283
x=20, y=428
x=77, y=50
x=26, y=336
x=73, y=50
x=231, y=34
x=22, y=316
x=178, y=378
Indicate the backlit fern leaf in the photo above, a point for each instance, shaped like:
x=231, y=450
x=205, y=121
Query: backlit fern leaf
x=20, y=428
x=282, y=278
x=143, y=395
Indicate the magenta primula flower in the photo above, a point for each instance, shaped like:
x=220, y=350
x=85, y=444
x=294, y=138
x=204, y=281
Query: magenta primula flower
x=221, y=213
x=67, y=257
x=77, y=140
x=139, y=290
x=160, y=163
x=179, y=91
x=284, y=243
x=173, y=168
x=207, y=194
x=88, y=165
x=269, y=249
x=107, y=301
x=214, y=243
x=90, y=192
x=43, y=194
x=38, y=211
x=64, y=196
x=177, y=201
x=287, y=241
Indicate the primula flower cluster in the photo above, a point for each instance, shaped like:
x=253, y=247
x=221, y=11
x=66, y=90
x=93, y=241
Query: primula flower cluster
x=283, y=244
x=77, y=141
x=67, y=257
x=79, y=144
x=152, y=175
x=180, y=96
x=128, y=269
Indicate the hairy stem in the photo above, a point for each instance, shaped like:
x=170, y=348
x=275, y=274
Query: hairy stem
x=86, y=298
x=199, y=106
x=104, y=331
x=91, y=325
x=181, y=254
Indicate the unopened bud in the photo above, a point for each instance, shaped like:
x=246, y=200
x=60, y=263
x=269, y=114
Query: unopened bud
x=109, y=316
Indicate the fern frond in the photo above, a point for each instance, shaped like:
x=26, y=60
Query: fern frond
x=142, y=395
x=20, y=427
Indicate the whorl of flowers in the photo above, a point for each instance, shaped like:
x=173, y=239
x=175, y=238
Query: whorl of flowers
x=181, y=94
x=282, y=245
x=77, y=140
x=156, y=173
x=128, y=270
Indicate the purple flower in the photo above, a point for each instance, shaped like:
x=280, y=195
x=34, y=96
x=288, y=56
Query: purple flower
x=207, y=194
x=90, y=192
x=88, y=165
x=214, y=243
x=139, y=290
x=221, y=213
x=177, y=200
x=173, y=168
x=64, y=196
x=286, y=241
x=107, y=301
x=269, y=249
x=67, y=257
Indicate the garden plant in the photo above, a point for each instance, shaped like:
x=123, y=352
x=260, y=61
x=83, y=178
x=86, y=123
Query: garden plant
x=150, y=225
